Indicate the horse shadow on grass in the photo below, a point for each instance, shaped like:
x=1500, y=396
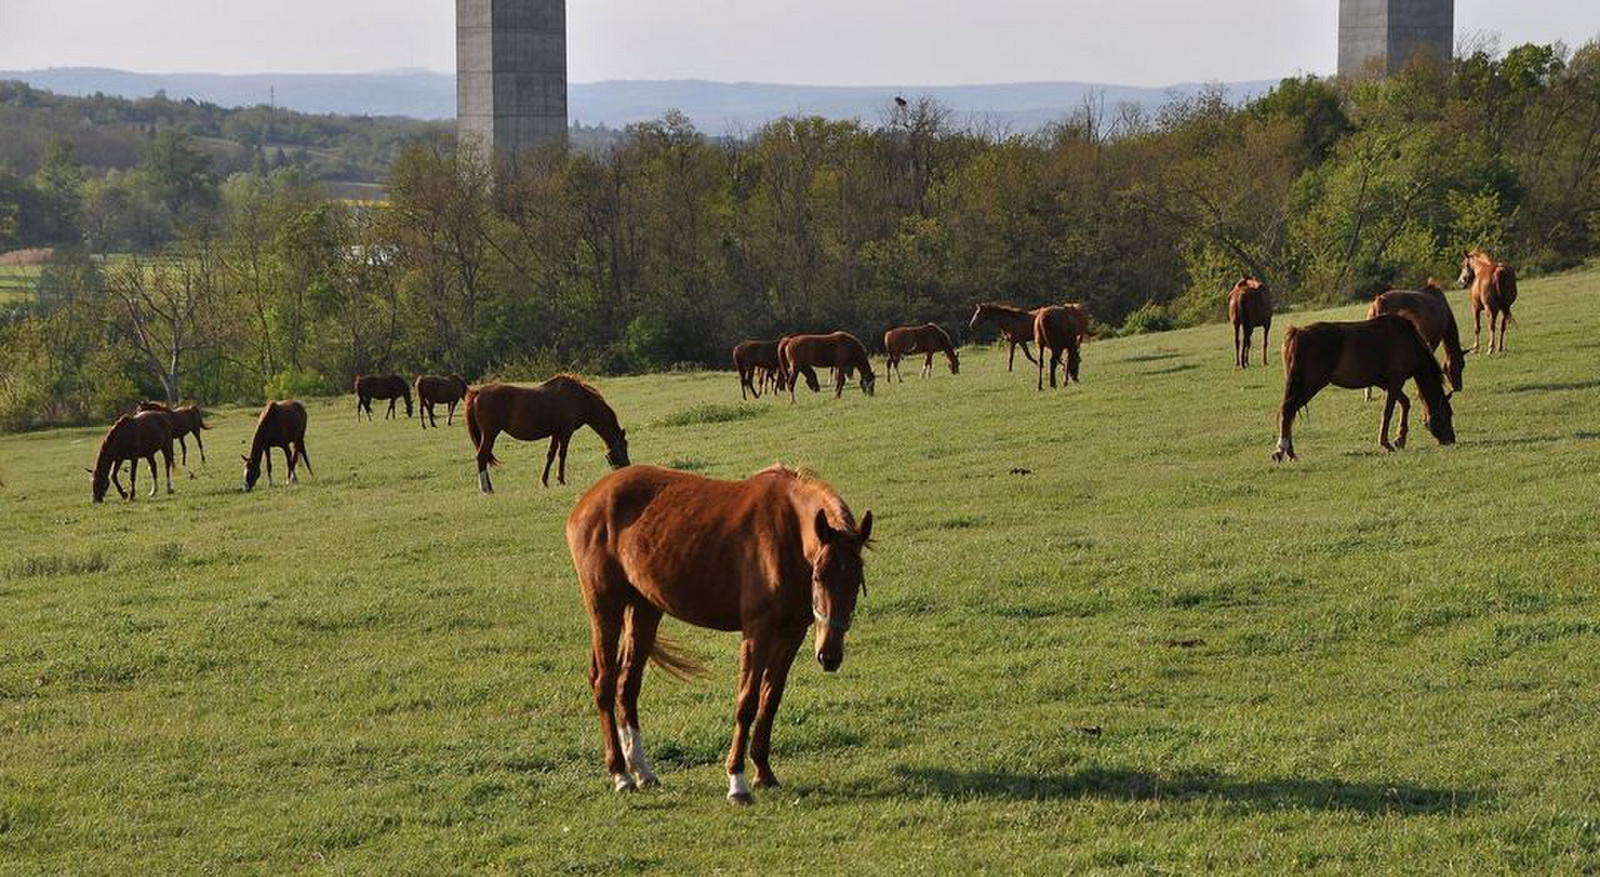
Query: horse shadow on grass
x=1556, y=386
x=1119, y=784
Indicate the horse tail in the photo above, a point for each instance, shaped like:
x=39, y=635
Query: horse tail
x=1507, y=278
x=675, y=661
x=470, y=411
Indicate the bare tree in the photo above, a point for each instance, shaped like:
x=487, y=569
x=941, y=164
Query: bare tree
x=163, y=304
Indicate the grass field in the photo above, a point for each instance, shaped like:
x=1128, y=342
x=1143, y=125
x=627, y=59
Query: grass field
x=17, y=282
x=1157, y=653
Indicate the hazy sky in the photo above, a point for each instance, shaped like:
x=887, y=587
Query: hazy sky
x=1134, y=42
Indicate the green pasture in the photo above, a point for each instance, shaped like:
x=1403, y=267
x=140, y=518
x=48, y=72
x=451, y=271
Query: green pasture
x=17, y=282
x=1156, y=652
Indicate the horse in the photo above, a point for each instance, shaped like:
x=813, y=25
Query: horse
x=1385, y=352
x=1014, y=323
x=391, y=387
x=434, y=390
x=132, y=438
x=1429, y=311
x=755, y=360
x=556, y=408
x=281, y=425
x=1056, y=329
x=926, y=339
x=186, y=420
x=1249, y=307
x=769, y=556
x=845, y=353
x=1494, y=289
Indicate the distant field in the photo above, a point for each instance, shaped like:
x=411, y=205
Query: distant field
x=1157, y=653
x=17, y=282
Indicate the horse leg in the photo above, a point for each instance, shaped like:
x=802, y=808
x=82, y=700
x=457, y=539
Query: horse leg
x=293, y=457
x=1505, y=320
x=1238, y=348
x=752, y=665
x=550, y=457
x=840, y=375
x=927, y=367
x=449, y=415
x=155, y=480
x=1477, y=325
x=1012, y=364
x=268, y=455
x=1055, y=360
x=185, y=446
x=1041, y=373
x=605, y=624
x=1405, y=416
x=485, y=454
x=133, y=479
x=167, y=453
x=1266, y=343
x=772, y=684
x=116, y=468
x=201, y=446
x=1388, y=412
x=643, y=620
x=561, y=467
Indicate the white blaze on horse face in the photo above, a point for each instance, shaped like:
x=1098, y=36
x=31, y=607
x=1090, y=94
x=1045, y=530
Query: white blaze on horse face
x=633, y=751
x=737, y=787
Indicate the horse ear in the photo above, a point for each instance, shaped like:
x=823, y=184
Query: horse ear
x=866, y=527
x=825, y=531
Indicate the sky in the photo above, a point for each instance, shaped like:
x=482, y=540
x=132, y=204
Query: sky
x=820, y=42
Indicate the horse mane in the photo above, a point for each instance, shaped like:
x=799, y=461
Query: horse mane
x=105, y=442
x=577, y=380
x=999, y=306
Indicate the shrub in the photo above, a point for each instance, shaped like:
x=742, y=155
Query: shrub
x=1148, y=318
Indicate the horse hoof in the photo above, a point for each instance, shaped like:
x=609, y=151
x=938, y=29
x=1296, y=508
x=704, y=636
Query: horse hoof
x=1277, y=456
x=768, y=783
x=623, y=783
x=647, y=780
x=740, y=799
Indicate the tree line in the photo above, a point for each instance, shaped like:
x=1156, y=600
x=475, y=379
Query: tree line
x=667, y=246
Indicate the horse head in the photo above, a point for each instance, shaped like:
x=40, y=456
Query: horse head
x=252, y=473
x=99, y=482
x=617, y=451
x=955, y=362
x=1440, y=419
x=1468, y=270
x=838, y=577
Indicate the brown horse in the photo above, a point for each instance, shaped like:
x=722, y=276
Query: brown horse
x=1056, y=329
x=843, y=352
x=1429, y=311
x=1249, y=308
x=1014, y=323
x=756, y=362
x=556, y=408
x=135, y=438
x=1494, y=289
x=281, y=425
x=391, y=387
x=926, y=339
x=436, y=390
x=766, y=556
x=186, y=420
x=1383, y=352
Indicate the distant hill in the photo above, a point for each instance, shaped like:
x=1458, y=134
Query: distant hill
x=715, y=107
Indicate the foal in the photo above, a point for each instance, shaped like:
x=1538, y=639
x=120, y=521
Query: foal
x=1494, y=289
x=187, y=420
x=1249, y=308
x=926, y=339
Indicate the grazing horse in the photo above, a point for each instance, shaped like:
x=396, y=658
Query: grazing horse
x=281, y=425
x=135, y=438
x=1249, y=308
x=186, y=420
x=753, y=360
x=1494, y=289
x=1056, y=329
x=1429, y=311
x=1014, y=323
x=1382, y=352
x=434, y=390
x=556, y=408
x=926, y=339
x=801, y=354
x=767, y=556
x=391, y=387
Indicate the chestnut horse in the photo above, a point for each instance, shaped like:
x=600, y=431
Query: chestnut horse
x=1056, y=329
x=1014, y=323
x=135, y=438
x=435, y=390
x=841, y=351
x=1429, y=311
x=1249, y=308
x=556, y=408
x=281, y=425
x=1382, y=352
x=756, y=362
x=186, y=420
x=1494, y=289
x=391, y=387
x=766, y=556
x=926, y=339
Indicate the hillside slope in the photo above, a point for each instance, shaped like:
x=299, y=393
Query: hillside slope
x=1156, y=652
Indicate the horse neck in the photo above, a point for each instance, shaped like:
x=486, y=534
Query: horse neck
x=600, y=417
x=107, y=454
x=1452, y=337
x=259, y=444
x=1429, y=378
